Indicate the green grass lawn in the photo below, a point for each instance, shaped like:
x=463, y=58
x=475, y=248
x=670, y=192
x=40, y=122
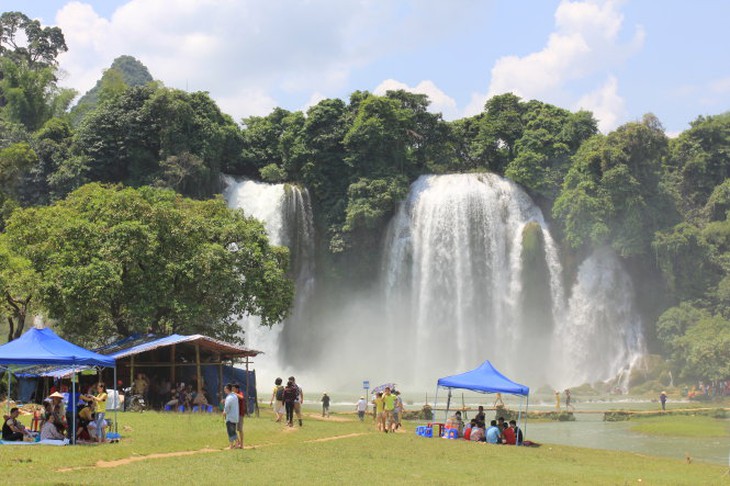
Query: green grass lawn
x=683, y=426
x=326, y=452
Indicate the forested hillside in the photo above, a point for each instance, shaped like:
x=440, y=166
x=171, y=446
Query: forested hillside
x=662, y=204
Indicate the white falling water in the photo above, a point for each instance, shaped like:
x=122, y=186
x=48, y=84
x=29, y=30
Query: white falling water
x=287, y=216
x=452, y=273
x=601, y=336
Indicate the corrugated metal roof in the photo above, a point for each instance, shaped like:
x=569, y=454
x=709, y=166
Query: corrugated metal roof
x=138, y=344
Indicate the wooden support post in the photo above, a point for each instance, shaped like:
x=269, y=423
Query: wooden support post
x=220, y=379
x=172, y=364
x=197, y=368
x=131, y=373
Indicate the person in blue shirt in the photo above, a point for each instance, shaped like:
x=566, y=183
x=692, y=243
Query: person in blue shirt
x=230, y=414
x=494, y=436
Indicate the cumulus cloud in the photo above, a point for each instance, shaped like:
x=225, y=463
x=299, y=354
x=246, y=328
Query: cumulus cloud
x=250, y=55
x=440, y=101
x=606, y=104
x=585, y=45
x=245, y=53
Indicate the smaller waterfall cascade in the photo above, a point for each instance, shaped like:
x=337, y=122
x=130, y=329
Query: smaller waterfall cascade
x=286, y=213
x=601, y=336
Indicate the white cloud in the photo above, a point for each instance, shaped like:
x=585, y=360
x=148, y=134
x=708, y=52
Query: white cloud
x=606, y=104
x=245, y=53
x=585, y=44
x=440, y=101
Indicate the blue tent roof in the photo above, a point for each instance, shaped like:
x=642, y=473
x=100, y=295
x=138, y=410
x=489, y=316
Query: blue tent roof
x=485, y=379
x=43, y=346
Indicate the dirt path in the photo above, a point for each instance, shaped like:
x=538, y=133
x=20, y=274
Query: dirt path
x=164, y=455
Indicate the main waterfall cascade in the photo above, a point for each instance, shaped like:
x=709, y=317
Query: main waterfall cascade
x=286, y=213
x=470, y=272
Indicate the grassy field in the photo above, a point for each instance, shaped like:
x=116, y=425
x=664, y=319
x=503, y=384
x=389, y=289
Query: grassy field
x=680, y=426
x=169, y=447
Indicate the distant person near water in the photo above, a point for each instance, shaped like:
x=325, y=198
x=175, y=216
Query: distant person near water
x=299, y=400
x=663, y=400
x=362, y=408
x=325, y=405
x=557, y=400
x=568, y=398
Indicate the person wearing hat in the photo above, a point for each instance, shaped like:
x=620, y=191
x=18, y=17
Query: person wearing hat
x=663, y=400
x=362, y=408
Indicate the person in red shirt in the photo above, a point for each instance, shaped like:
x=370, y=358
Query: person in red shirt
x=241, y=413
x=509, y=435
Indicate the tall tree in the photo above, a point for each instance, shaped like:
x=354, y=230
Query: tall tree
x=114, y=261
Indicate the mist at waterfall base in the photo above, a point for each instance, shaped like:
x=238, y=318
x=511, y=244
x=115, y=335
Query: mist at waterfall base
x=469, y=272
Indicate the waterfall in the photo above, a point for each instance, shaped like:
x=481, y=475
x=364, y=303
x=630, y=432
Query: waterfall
x=600, y=337
x=286, y=213
x=452, y=276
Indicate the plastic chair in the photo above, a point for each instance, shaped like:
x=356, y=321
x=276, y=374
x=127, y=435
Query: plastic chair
x=168, y=408
x=181, y=408
x=210, y=408
x=428, y=432
x=196, y=408
x=420, y=430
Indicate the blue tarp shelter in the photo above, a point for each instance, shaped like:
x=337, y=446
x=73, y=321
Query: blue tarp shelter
x=484, y=379
x=45, y=347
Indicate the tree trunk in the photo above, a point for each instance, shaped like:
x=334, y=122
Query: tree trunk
x=19, y=308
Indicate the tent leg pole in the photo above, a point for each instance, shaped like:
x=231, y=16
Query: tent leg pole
x=116, y=400
x=448, y=405
x=73, y=404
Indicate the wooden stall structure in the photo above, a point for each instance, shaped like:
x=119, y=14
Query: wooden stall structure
x=174, y=356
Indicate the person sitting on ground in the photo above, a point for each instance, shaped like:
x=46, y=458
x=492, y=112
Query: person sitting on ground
x=455, y=422
x=477, y=432
x=86, y=416
x=517, y=432
x=508, y=435
x=13, y=431
x=468, y=429
x=494, y=436
x=50, y=431
x=480, y=415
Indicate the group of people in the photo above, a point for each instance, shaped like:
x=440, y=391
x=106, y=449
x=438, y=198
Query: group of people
x=498, y=432
x=388, y=407
x=56, y=420
x=287, y=401
x=186, y=397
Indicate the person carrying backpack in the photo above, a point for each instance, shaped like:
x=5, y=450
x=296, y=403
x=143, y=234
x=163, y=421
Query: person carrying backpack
x=291, y=394
x=277, y=395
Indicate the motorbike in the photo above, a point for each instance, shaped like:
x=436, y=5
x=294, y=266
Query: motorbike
x=134, y=402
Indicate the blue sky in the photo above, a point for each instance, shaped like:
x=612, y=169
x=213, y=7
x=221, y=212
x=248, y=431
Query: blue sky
x=620, y=59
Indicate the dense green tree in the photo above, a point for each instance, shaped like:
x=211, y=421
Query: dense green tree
x=612, y=192
x=114, y=261
x=37, y=46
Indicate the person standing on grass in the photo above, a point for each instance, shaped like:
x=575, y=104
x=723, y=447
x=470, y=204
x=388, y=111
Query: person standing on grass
x=568, y=400
x=325, y=405
x=230, y=415
x=277, y=399
x=299, y=400
x=378, y=408
x=290, y=395
x=663, y=400
x=241, y=412
x=388, y=409
x=362, y=408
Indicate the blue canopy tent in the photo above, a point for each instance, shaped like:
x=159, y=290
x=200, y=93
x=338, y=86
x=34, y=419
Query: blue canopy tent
x=44, y=347
x=484, y=379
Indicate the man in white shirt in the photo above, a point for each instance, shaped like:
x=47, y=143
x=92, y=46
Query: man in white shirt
x=362, y=408
x=230, y=414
